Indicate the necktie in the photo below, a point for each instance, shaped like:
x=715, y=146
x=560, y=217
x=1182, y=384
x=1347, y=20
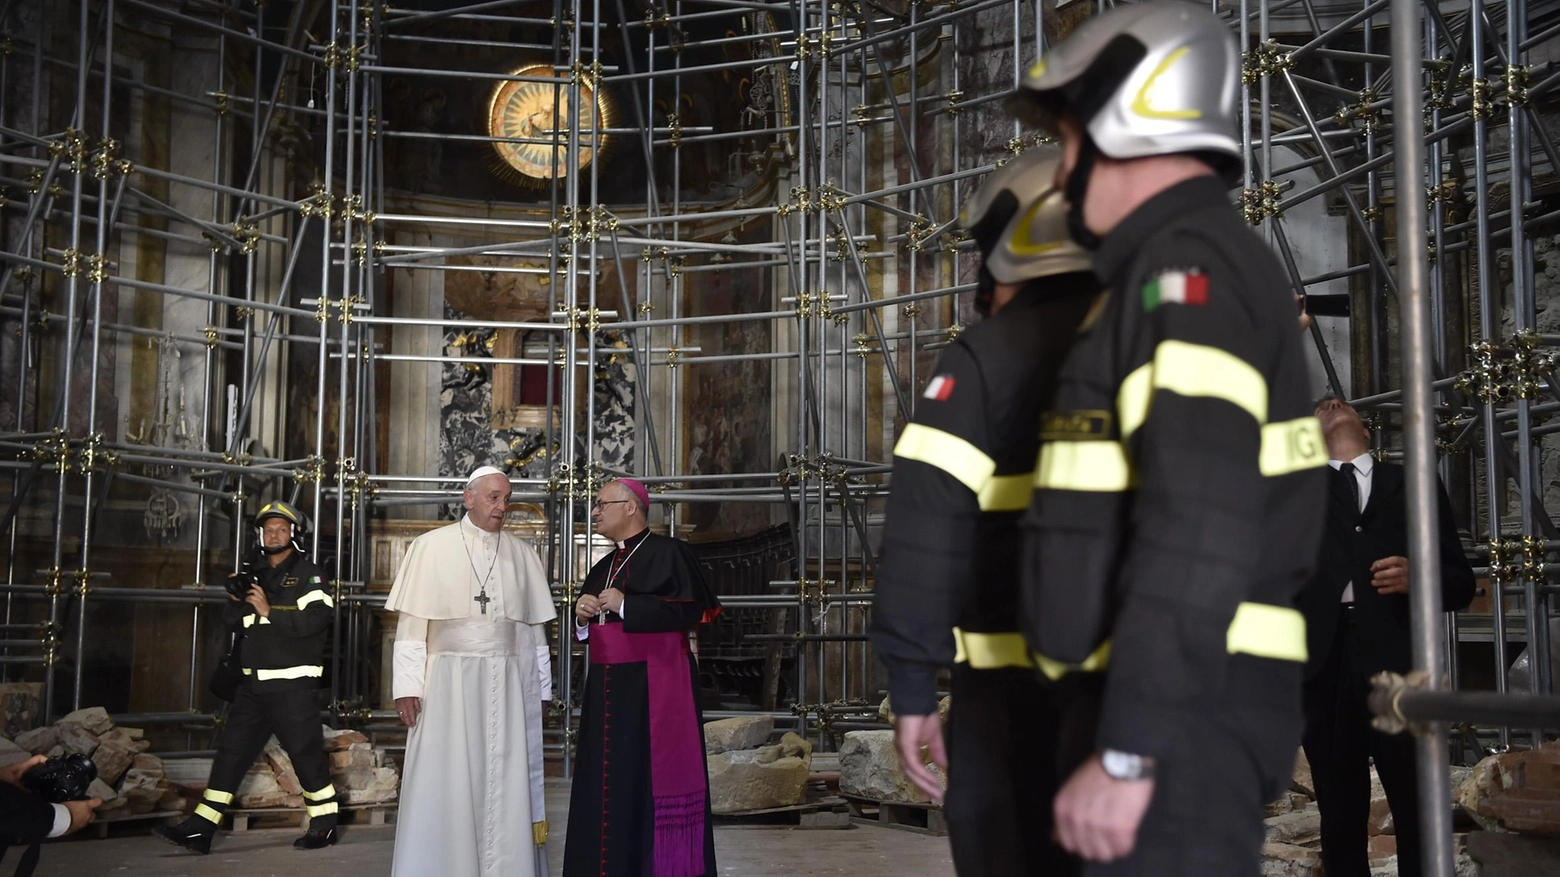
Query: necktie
x=1347, y=470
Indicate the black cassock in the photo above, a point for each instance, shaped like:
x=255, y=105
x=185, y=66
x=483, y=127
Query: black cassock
x=612, y=812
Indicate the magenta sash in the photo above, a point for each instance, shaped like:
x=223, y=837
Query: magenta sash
x=678, y=782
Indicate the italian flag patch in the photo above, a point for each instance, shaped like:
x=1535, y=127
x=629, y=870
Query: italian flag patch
x=1176, y=287
x=938, y=389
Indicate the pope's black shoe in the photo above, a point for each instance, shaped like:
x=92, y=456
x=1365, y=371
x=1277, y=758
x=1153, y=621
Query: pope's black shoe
x=316, y=838
x=191, y=838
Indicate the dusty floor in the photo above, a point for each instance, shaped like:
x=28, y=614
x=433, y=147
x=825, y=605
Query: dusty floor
x=862, y=851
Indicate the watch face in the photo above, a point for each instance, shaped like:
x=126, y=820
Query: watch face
x=534, y=110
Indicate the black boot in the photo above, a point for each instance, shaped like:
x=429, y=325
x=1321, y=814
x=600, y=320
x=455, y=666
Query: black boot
x=316, y=838
x=190, y=834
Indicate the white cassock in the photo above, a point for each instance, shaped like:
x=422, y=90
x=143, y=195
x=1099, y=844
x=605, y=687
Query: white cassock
x=472, y=789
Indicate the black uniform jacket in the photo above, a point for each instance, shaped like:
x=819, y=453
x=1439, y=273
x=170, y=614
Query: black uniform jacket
x=1353, y=541
x=1179, y=492
x=287, y=649
x=963, y=473
x=25, y=818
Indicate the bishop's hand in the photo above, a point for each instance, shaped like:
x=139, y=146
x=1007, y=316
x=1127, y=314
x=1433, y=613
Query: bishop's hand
x=588, y=607
x=612, y=600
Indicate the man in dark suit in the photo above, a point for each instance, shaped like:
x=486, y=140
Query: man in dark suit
x=1357, y=624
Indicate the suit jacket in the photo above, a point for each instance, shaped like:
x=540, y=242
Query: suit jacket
x=1351, y=542
x=25, y=818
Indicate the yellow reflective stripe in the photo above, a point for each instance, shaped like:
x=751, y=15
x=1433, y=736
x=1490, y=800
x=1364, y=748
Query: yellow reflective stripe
x=252, y=620
x=208, y=814
x=320, y=809
x=990, y=651
x=1259, y=629
x=1292, y=446
x=539, y=833
x=1007, y=493
x=290, y=672
x=1190, y=370
x=217, y=797
x=313, y=596
x=1099, y=466
x=1267, y=631
x=947, y=452
x=248, y=672
x=1094, y=663
x=328, y=792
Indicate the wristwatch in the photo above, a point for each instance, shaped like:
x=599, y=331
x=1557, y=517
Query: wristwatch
x=1126, y=766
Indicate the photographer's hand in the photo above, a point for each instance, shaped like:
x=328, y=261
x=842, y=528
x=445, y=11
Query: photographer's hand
x=256, y=598
x=12, y=773
x=81, y=813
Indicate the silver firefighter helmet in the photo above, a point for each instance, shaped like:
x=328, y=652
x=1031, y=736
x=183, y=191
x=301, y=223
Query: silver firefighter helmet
x=1154, y=78
x=1019, y=221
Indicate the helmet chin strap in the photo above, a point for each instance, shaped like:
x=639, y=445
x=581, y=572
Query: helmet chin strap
x=1076, y=191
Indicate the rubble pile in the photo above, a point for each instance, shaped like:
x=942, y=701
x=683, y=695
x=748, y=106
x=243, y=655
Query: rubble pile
x=1294, y=824
x=747, y=772
x=133, y=782
x=360, y=773
x=130, y=781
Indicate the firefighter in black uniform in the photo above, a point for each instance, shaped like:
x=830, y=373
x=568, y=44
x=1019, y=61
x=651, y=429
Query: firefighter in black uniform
x=947, y=587
x=1179, y=492
x=283, y=621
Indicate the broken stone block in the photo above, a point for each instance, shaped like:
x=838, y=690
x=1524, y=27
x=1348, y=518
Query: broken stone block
x=95, y=719
x=172, y=800
x=132, y=733
x=742, y=732
x=10, y=753
x=1290, y=860
x=77, y=739
x=756, y=779
x=149, y=763
x=281, y=765
x=382, y=785
x=1300, y=781
x=100, y=789
x=142, y=790
x=943, y=706
x=1290, y=802
x=19, y=707
x=351, y=760
x=1301, y=826
x=260, y=789
x=39, y=740
x=113, y=759
x=1380, y=818
x=335, y=739
x=869, y=768
x=793, y=746
x=1382, y=847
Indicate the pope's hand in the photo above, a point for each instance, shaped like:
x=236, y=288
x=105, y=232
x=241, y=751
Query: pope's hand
x=409, y=708
x=588, y=608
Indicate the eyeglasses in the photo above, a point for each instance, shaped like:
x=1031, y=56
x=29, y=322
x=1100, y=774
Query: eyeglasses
x=596, y=506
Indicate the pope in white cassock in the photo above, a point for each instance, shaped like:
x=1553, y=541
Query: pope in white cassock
x=471, y=671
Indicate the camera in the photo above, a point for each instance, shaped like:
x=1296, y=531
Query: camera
x=239, y=583
x=61, y=778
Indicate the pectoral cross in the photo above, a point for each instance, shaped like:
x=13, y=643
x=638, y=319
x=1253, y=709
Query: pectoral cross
x=483, y=599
